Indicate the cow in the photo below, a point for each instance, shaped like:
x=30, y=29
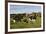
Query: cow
x=18, y=17
x=29, y=18
x=32, y=18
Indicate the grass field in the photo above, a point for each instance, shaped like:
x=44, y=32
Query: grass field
x=36, y=24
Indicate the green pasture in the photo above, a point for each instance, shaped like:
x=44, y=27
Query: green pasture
x=22, y=24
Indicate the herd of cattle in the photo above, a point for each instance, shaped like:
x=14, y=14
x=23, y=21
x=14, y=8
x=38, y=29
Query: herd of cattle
x=26, y=17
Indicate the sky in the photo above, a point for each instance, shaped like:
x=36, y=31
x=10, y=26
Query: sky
x=16, y=9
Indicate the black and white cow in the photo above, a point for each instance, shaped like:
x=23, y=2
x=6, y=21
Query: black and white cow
x=32, y=18
x=19, y=17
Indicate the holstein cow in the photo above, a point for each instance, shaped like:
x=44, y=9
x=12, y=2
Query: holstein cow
x=31, y=18
x=18, y=17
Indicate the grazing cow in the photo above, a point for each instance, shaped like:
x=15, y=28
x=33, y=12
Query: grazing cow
x=18, y=18
x=32, y=18
x=29, y=18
